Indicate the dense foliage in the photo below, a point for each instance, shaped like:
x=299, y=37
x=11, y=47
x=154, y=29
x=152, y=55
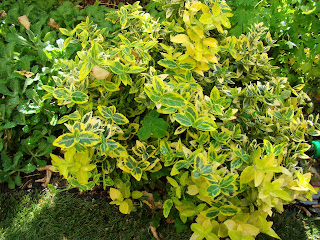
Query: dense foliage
x=295, y=25
x=28, y=123
x=172, y=111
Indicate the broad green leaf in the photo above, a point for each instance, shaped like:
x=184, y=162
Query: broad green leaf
x=79, y=97
x=135, y=69
x=173, y=100
x=152, y=94
x=61, y=94
x=116, y=67
x=64, y=141
x=88, y=139
x=213, y=190
x=120, y=119
x=229, y=210
x=212, y=212
x=205, y=124
x=167, y=205
x=28, y=168
x=268, y=146
x=158, y=85
x=106, y=112
x=182, y=119
x=227, y=180
x=152, y=124
x=168, y=63
x=110, y=86
x=64, y=31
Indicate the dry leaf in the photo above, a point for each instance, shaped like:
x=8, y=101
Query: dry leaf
x=25, y=73
x=154, y=231
x=150, y=201
x=53, y=23
x=24, y=21
x=100, y=73
x=2, y=14
x=79, y=7
x=46, y=179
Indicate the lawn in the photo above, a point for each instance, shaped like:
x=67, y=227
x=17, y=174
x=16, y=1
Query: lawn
x=43, y=215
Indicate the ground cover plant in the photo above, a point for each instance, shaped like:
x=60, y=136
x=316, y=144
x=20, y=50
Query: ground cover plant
x=183, y=117
x=30, y=42
x=173, y=112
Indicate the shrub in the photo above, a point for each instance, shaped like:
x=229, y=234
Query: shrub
x=183, y=117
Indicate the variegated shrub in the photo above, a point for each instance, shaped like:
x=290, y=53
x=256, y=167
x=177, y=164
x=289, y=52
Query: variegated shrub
x=182, y=108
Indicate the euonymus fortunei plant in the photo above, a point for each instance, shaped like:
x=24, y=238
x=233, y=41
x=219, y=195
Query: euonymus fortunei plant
x=181, y=108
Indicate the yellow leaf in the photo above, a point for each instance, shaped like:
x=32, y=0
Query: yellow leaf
x=25, y=73
x=247, y=175
x=216, y=9
x=210, y=42
x=126, y=206
x=248, y=229
x=258, y=178
x=193, y=190
x=115, y=194
x=180, y=38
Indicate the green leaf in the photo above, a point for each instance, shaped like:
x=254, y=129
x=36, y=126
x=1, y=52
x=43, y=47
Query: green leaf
x=212, y=212
x=110, y=86
x=268, y=146
x=213, y=190
x=152, y=124
x=28, y=168
x=205, y=124
x=152, y=94
x=229, y=210
x=227, y=180
x=173, y=100
x=168, y=63
x=88, y=139
x=167, y=205
x=64, y=141
x=120, y=119
x=116, y=67
x=136, y=69
x=107, y=112
x=158, y=85
x=61, y=94
x=64, y=31
x=79, y=97
x=182, y=119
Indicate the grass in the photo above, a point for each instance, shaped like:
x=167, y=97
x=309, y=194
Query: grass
x=66, y=216
x=43, y=215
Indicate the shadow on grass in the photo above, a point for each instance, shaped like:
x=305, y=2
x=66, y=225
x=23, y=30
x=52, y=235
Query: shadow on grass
x=37, y=216
x=48, y=216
